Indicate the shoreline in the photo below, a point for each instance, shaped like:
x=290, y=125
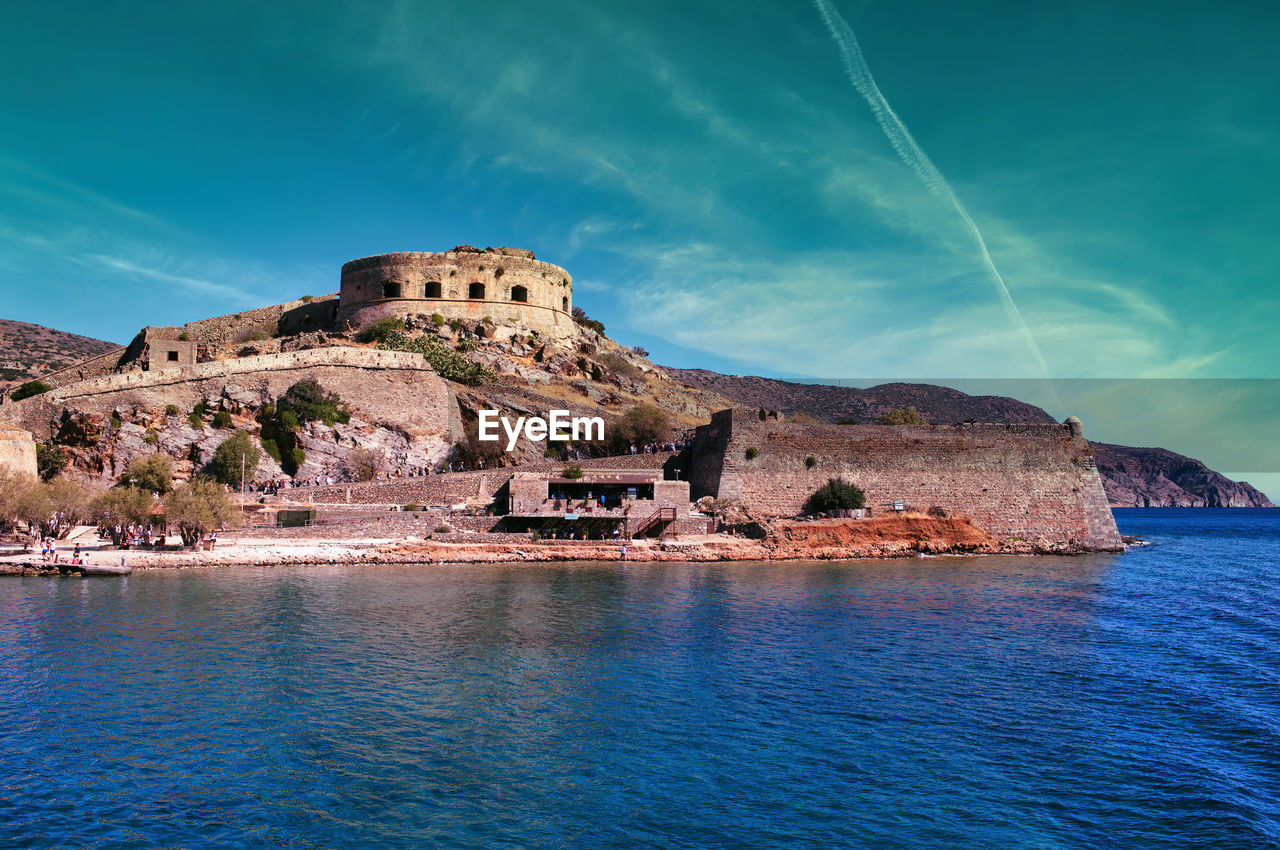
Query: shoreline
x=784, y=541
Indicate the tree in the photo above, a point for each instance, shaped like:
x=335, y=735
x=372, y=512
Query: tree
x=641, y=424
x=29, y=389
x=237, y=457
x=153, y=473
x=363, y=464
x=123, y=505
x=580, y=316
x=902, y=416
x=50, y=461
x=197, y=508
x=309, y=401
x=836, y=495
x=53, y=508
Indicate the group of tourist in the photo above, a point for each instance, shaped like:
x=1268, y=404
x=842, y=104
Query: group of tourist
x=656, y=448
x=270, y=488
x=132, y=535
x=49, y=553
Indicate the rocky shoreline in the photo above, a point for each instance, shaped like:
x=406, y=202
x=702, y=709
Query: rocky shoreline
x=822, y=540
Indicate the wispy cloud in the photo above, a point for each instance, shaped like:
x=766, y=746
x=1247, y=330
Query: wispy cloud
x=190, y=284
x=913, y=155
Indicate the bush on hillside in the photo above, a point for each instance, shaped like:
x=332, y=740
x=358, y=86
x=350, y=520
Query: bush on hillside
x=29, y=389
x=836, y=495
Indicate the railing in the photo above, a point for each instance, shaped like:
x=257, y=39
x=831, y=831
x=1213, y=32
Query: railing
x=661, y=515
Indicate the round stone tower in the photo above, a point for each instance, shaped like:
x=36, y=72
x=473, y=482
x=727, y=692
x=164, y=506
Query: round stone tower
x=469, y=284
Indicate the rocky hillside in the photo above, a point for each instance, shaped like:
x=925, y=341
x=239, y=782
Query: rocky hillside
x=826, y=403
x=28, y=351
x=1159, y=478
x=1133, y=477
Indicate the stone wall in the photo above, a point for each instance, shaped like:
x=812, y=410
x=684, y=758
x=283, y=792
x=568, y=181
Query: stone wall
x=516, y=289
x=17, y=451
x=1035, y=482
x=399, y=405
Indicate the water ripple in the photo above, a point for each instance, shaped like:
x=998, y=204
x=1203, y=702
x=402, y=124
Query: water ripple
x=1101, y=701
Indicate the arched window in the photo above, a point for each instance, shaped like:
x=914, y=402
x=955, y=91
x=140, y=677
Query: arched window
x=475, y=290
x=390, y=290
x=519, y=293
x=433, y=289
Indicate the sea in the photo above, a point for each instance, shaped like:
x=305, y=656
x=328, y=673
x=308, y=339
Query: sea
x=1126, y=700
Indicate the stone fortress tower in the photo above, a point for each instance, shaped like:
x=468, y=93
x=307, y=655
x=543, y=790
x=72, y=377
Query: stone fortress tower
x=469, y=284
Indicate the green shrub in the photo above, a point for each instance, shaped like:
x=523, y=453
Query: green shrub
x=572, y=472
x=171, y=410
x=253, y=336
x=29, y=389
x=307, y=299
x=837, y=494
x=447, y=363
x=455, y=325
x=499, y=271
x=902, y=416
x=810, y=462
x=846, y=420
x=271, y=448
x=182, y=337
x=377, y=330
x=297, y=458
x=411, y=506
x=752, y=453
x=152, y=437
x=116, y=422
x=236, y=455
x=615, y=362
x=50, y=460
x=312, y=404
x=196, y=416
x=438, y=320
x=222, y=419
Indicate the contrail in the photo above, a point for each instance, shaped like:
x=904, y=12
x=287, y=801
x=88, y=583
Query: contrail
x=911, y=152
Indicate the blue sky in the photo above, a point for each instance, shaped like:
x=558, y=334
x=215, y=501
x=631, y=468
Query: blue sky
x=722, y=190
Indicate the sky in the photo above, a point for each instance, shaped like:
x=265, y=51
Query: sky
x=828, y=189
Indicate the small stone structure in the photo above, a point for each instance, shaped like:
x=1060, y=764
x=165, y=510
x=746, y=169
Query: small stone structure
x=1032, y=482
x=506, y=285
x=17, y=451
x=597, y=503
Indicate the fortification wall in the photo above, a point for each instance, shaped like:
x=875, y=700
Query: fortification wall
x=17, y=452
x=514, y=288
x=395, y=389
x=1035, y=482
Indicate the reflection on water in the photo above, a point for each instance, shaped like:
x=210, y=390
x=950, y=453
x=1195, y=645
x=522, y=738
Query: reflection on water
x=1100, y=700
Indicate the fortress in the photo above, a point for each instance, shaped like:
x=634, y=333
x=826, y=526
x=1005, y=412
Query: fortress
x=184, y=390
x=506, y=285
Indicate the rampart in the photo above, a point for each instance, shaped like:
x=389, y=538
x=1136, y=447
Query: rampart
x=505, y=285
x=17, y=452
x=1034, y=482
x=397, y=388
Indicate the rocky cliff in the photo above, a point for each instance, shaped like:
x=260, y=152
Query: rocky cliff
x=1159, y=478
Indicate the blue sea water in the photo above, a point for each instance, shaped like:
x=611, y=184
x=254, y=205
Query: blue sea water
x=1116, y=700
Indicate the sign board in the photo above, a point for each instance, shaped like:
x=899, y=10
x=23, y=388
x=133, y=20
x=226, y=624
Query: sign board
x=899, y=505
x=570, y=516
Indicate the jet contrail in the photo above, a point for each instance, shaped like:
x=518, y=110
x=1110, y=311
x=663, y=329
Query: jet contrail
x=911, y=152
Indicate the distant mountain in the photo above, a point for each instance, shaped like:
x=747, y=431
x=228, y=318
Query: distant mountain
x=1159, y=478
x=1132, y=477
x=826, y=403
x=28, y=351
